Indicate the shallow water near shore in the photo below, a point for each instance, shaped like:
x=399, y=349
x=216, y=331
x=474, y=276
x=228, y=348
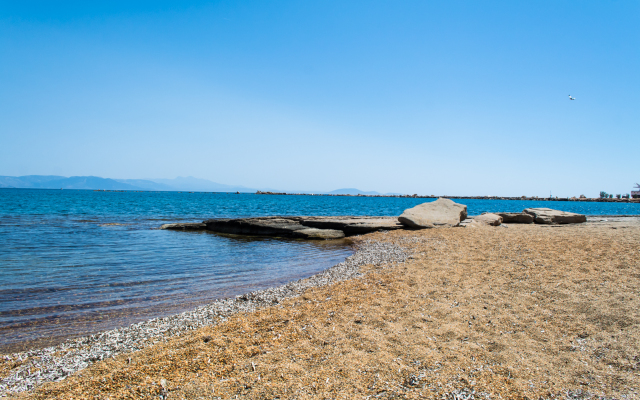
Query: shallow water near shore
x=75, y=262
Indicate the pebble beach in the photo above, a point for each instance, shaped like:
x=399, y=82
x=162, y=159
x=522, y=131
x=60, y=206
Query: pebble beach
x=514, y=311
x=27, y=370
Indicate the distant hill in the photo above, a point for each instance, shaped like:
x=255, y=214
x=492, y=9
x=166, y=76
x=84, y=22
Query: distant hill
x=201, y=185
x=30, y=181
x=179, y=184
x=96, y=183
x=358, y=191
x=350, y=191
x=90, y=182
x=61, y=182
x=146, y=184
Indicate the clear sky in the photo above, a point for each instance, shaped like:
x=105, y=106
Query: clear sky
x=427, y=97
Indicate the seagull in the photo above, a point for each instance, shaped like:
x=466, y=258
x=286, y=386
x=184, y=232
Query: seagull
x=571, y=98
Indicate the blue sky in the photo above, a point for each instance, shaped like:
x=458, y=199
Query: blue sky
x=444, y=98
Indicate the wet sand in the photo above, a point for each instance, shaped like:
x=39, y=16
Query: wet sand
x=525, y=311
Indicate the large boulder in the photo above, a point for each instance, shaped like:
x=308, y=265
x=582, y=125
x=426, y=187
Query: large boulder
x=488, y=219
x=437, y=214
x=550, y=216
x=516, y=218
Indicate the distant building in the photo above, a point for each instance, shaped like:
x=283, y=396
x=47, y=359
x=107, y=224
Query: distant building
x=636, y=193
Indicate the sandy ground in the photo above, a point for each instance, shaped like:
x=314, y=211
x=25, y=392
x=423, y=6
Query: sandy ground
x=526, y=311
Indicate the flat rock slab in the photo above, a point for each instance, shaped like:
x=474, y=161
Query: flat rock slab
x=270, y=226
x=550, y=216
x=352, y=225
x=315, y=233
x=516, y=218
x=191, y=226
x=436, y=214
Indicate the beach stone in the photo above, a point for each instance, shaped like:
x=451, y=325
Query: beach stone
x=270, y=226
x=516, y=218
x=191, y=226
x=488, y=219
x=550, y=216
x=352, y=225
x=437, y=214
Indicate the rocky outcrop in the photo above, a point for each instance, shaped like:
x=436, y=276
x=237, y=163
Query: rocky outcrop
x=440, y=213
x=488, y=219
x=437, y=214
x=304, y=227
x=270, y=226
x=352, y=225
x=516, y=218
x=549, y=216
x=197, y=226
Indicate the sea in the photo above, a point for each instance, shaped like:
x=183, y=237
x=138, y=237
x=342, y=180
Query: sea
x=76, y=262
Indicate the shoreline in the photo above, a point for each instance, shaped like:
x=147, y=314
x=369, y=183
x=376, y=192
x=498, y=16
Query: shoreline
x=40, y=343
x=55, y=363
x=448, y=261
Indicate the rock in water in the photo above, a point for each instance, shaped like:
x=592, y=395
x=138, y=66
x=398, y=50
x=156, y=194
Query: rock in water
x=488, y=219
x=352, y=225
x=437, y=214
x=190, y=226
x=304, y=227
x=270, y=226
x=516, y=218
x=315, y=233
x=549, y=216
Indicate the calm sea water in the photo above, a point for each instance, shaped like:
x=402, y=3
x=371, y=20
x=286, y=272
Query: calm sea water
x=74, y=262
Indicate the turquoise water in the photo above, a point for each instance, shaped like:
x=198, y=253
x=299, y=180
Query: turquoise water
x=74, y=262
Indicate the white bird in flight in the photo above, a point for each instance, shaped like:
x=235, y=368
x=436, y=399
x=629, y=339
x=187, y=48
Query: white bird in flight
x=571, y=98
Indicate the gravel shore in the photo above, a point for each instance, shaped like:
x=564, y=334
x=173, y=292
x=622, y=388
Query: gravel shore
x=514, y=312
x=27, y=370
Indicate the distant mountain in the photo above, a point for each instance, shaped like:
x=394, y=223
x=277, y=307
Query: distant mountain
x=146, y=184
x=29, y=181
x=190, y=184
x=350, y=191
x=354, y=191
x=89, y=182
x=179, y=184
x=61, y=182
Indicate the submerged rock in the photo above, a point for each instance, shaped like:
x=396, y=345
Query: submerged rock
x=191, y=226
x=550, y=216
x=315, y=233
x=437, y=214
